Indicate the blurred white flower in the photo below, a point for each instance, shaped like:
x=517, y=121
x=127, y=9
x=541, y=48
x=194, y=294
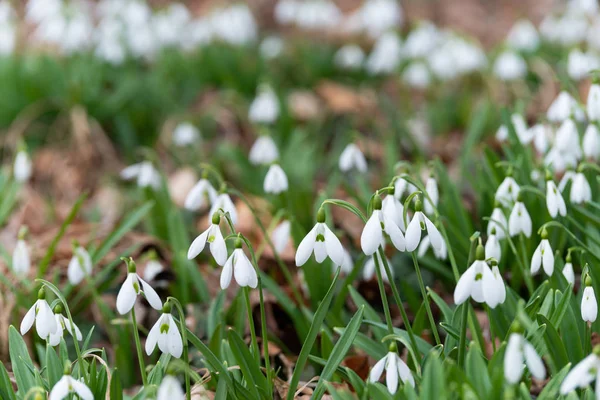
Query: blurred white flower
x=21, y=259
x=431, y=189
x=396, y=370
x=519, y=352
x=523, y=36
x=63, y=324
x=385, y=56
x=581, y=192
x=80, y=265
x=144, y=173
x=224, y=202
x=170, y=389
x=568, y=272
x=166, y=334
x=519, y=220
x=421, y=41
x=593, y=103
x=580, y=64
x=582, y=374
x=67, y=385
x=492, y=247
x=497, y=223
x=22, y=168
x=591, y=142
x=265, y=107
x=349, y=57
x=271, y=47
x=185, y=134
x=440, y=254
x=508, y=191
x=281, y=236
x=264, y=151
x=567, y=139
x=541, y=134
x=352, y=158
x=564, y=107
x=369, y=268
x=510, y=66
x=417, y=75
x=402, y=187
x=201, y=195
x=376, y=17
x=276, y=180
x=554, y=200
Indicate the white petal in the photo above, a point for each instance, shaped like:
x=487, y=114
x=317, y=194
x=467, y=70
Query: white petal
x=45, y=322
x=492, y=248
x=131, y=172
x=413, y=233
x=170, y=389
x=489, y=287
x=536, y=260
x=82, y=390
x=548, y=259
x=589, y=305
x=334, y=247
x=227, y=273
x=151, y=295
x=21, y=262
x=513, y=359
x=534, y=362
x=241, y=267
x=281, y=236
x=580, y=375
x=74, y=271
x=320, y=251
x=175, y=341
x=197, y=245
x=377, y=370
x=218, y=247
x=394, y=233
x=61, y=389
x=306, y=247
x=127, y=294
x=424, y=246
x=434, y=234
x=405, y=373
x=371, y=236
x=152, y=337
x=28, y=319
x=569, y=273
x=391, y=376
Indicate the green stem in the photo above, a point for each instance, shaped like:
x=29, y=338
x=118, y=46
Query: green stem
x=426, y=300
x=398, y=300
x=255, y=349
x=263, y=328
x=588, y=338
x=183, y=330
x=463, y=333
x=492, y=336
x=386, y=306
x=138, y=346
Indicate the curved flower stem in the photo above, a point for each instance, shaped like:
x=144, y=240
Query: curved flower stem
x=138, y=346
x=426, y=300
x=183, y=330
x=251, y=324
x=579, y=242
x=400, y=304
x=209, y=168
x=386, y=306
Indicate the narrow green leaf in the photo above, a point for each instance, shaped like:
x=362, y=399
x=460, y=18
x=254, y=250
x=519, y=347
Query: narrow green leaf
x=21, y=362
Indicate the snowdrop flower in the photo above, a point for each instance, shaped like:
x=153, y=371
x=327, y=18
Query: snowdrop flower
x=264, y=151
x=276, y=180
x=523, y=36
x=145, y=174
x=492, y=246
x=480, y=283
x=394, y=210
x=271, y=47
x=281, y=236
x=224, y=202
x=521, y=129
x=21, y=260
x=369, y=268
x=567, y=139
x=581, y=192
x=519, y=352
x=568, y=273
x=63, y=324
x=418, y=223
x=239, y=266
x=580, y=64
x=554, y=200
x=591, y=142
x=432, y=193
x=417, y=75
x=185, y=134
x=322, y=241
x=502, y=133
x=593, y=103
x=213, y=236
x=80, y=265
x=131, y=289
x=351, y=158
x=540, y=134
x=508, y=191
x=589, y=305
x=22, y=168
x=543, y=256
x=349, y=57
x=347, y=266
x=563, y=107
x=201, y=195
x=497, y=223
x=67, y=385
x=559, y=160
x=583, y=374
x=510, y=66
x=170, y=389
x=386, y=55
x=440, y=254
x=519, y=220
x=395, y=368
x=166, y=334
x=40, y=313
x=265, y=107
x=402, y=186
x=372, y=235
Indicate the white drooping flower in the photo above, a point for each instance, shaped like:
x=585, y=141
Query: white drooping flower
x=402, y=187
x=519, y=220
x=432, y=193
x=67, y=385
x=393, y=209
x=492, y=247
x=523, y=36
x=131, y=289
x=369, y=269
x=396, y=370
x=589, y=305
x=418, y=223
x=63, y=324
x=22, y=168
x=214, y=237
x=185, y=134
x=144, y=173
x=265, y=107
x=352, y=158
x=372, y=237
x=581, y=192
x=40, y=313
x=271, y=47
x=543, y=256
x=508, y=191
x=559, y=161
x=541, y=134
x=347, y=266
x=21, y=259
x=239, y=266
x=580, y=64
x=264, y=151
x=417, y=75
x=386, y=55
x=80, y=265
x=201, y=195
x=276, y=180
x=170, y=389
x=322, y=241
x=568, y=272
x=510, y=66
x=440, y=254
x=349, y=57
x=564, y=107
x=481, y=283
x=498, y=223
x=554, y=200
x=568, y=176
x=520, y=353
x=583, y=373
x=567, y=139
x=591, y=142
x=281, y=236
x=224, y=202
x=593, y=103
x=165, y=333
